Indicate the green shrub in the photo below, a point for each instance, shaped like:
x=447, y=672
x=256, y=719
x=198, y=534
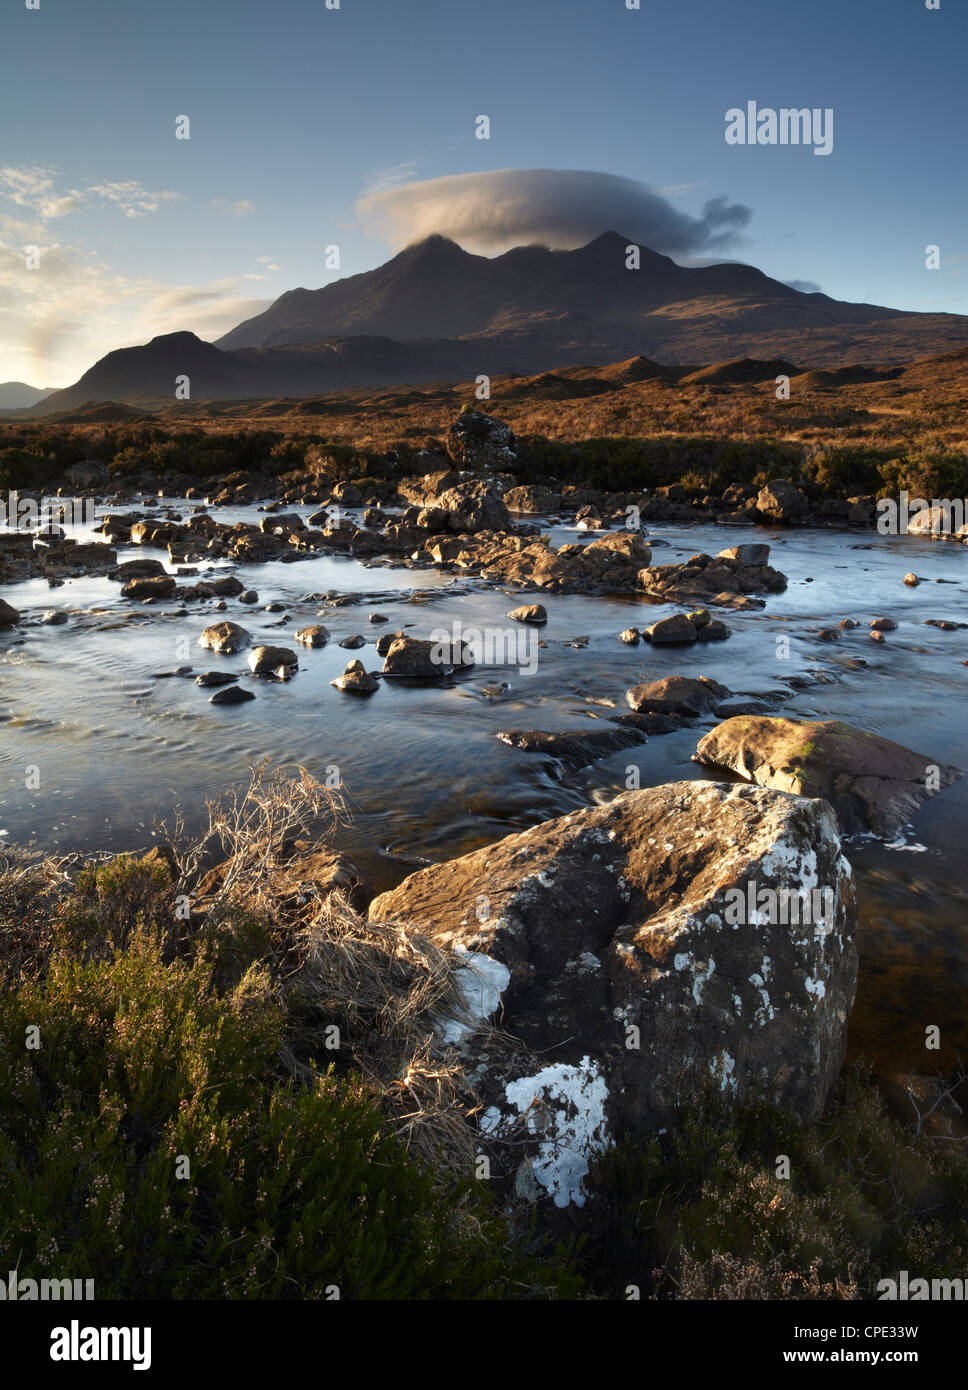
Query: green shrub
x=704, y=1214
x=20, y=469
x=627, y=464
x=291, y=1190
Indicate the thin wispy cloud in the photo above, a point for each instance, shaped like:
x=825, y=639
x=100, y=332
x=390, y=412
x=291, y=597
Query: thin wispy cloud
x=35, y=188
x=242, y=208
x=393, y=175
x=132, y=198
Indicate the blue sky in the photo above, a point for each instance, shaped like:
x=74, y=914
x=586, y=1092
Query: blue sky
x=298, y=111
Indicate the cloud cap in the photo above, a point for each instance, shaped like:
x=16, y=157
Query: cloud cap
x=493, y=211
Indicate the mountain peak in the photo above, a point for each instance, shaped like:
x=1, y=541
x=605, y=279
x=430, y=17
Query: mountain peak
x=182, y=338
x=606, y=241
x=433, y=246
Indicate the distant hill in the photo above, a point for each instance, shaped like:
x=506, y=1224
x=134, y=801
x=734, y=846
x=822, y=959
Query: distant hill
x=17, y=395
x=436, y=312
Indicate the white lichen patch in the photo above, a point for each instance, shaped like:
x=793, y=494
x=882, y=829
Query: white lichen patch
x=482, y=981
x=703, y=973
x=723, y=1069
x=564, y=1108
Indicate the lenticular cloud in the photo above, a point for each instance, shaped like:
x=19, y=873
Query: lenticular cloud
x=561, y=208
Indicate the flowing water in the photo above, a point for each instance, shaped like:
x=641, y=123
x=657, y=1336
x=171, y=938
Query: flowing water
x=115, y=747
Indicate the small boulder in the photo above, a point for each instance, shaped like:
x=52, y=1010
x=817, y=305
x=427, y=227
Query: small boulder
x=573, y=748
x=227, y=586
x=688, y=696
x=232, y=695
x=225, y=637
x=356, y=679
x=753, y=553
x=674, y=631
x=157, y=586
x=874, y=785
x=313, y=636
x=412, y=658
x=385, y=641
x=210, y=678
x=264, y=661
x=534, y=613
x=783, y=502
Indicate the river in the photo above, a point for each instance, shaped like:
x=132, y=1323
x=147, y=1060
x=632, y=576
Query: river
x=114, y=747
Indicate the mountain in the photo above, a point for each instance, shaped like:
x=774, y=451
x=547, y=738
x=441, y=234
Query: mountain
x=435, y=289
x=16, y=395
x=438, y=313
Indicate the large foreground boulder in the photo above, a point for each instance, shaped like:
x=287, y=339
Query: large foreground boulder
x=695, y=934
x=872, y=783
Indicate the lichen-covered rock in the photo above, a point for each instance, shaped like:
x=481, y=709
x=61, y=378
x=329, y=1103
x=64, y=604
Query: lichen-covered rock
x=872, y=783
x=692, y=934
x=476, y=440
x=89, y=473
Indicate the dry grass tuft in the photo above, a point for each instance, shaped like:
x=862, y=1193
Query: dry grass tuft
x=383, y=985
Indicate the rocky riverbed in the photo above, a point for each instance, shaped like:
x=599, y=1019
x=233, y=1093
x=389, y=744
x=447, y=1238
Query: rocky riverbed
x=106, y=696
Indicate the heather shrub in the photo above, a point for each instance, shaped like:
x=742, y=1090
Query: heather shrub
x=148, y=1142
x=703, y=1213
